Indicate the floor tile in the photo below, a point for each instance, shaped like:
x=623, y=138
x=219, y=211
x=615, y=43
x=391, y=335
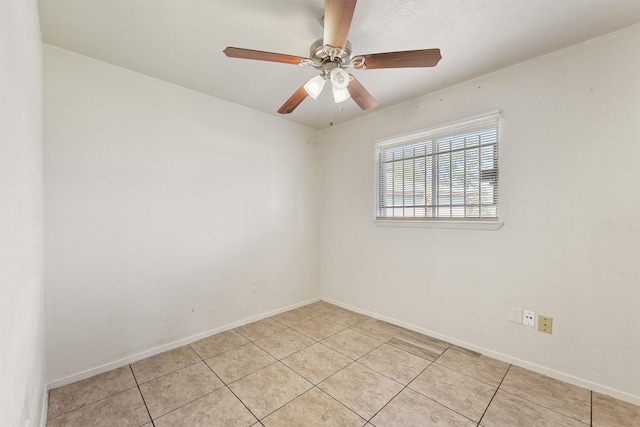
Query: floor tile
x=509, y=410
x=218, y=343
x=610, y=412
x=217, y=409
x=293, y=317
x=361, y=389
x=363, y=370
x=418, y=344
x=320, y=308
x=260, y=329
x=411, y=409
x=318, y=328
x=269, y=389
x=164, y=363
x=458, y=392
x=123, y=409
x=167, y=393
x=316, y=363
x=559, y=396
x=351, y=343
x=394, y=363
x=284, y=343
x=346, y=317
x=73, y=396
x=314, y=408
x=481, y=368
x=378, y=329
x=239, y=362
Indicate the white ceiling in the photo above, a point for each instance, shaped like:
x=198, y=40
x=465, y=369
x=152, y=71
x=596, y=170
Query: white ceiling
x=181, y=41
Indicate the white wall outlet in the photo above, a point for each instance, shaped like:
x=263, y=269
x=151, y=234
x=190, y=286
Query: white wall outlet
x=529, y=318
x=254, y=287
x=514, y=314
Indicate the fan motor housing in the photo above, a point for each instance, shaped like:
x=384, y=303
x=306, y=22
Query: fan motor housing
x=322, y=55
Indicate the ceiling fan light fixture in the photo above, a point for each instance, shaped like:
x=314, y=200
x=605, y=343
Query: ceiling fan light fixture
x=331, y=55
x=314, y=86
x=339, y=78
x=340, y=95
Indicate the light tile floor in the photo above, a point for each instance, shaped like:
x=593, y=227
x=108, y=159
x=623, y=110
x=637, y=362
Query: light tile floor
x=321, y=365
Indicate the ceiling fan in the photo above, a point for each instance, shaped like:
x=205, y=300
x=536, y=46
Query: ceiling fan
x=331, y=55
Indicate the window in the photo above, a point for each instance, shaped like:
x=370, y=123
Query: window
x=449, y=172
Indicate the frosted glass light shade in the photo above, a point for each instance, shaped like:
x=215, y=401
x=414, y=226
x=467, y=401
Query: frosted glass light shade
x=340, y=95
x=314, y=86
x=339, y=78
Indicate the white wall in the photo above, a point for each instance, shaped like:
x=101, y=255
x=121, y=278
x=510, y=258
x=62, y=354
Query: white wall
x=162, y=207
x=570, y=247
x=22, y=348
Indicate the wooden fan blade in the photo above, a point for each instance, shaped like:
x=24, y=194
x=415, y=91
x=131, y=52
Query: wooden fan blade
x=337, y=21
x=402, y=59
x=360, y=94
x=238, y=52
x=293, y=102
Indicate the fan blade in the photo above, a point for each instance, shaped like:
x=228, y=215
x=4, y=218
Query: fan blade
x=337, y=21
x=402, y=59
x=293, y=102
x=238, y=52
x=360, y=94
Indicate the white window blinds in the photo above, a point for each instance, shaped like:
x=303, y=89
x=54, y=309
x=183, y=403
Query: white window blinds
x=449, y=172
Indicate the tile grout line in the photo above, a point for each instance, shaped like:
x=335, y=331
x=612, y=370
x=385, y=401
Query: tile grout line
x=306, y=336
x=494, y=394
x=92, y=403
x=546, y=407
x=224, y=385
x=285, y=404
x=179, y=369
x=315, y=386
x=351, y=362
x=142, y=396
x=397, y=394
x=428, y=397
x=465, y=374
x=277, y=360
x=591, y=408
x=341, y=403
x=359, y=357
x=227, y=385
x=516, y=395
x=374, y=370
x=168, y=373
x=243, y=404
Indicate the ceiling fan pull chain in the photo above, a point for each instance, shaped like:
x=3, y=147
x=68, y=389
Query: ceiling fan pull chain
x=331, y=112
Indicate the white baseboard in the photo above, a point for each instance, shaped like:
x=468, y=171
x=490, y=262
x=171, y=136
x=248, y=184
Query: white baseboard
x=627, y=397
x=169, y=346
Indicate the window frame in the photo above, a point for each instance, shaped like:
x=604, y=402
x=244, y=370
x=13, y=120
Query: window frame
x=472, y=223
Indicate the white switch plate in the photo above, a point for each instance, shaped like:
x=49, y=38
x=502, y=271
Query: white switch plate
x=529, y=318
x=514, y=314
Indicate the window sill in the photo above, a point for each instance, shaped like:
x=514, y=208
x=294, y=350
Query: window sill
x=453, y=225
